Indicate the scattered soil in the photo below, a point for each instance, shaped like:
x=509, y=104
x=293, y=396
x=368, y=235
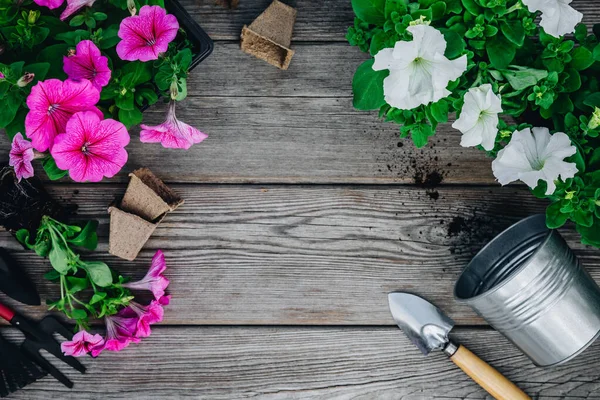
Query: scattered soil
x=23, y=204
x=429, y=182
x=470, y=234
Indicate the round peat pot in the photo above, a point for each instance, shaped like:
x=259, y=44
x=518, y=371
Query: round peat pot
x=528, y=285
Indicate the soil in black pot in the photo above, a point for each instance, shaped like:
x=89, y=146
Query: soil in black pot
x=23, y=204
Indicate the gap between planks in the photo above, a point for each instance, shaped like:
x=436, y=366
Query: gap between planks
x=324, y=363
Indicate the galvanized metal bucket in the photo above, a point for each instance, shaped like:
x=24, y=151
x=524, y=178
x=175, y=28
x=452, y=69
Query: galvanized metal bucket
x=528, y=285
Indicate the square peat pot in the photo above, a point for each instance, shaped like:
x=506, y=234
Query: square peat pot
x=203, y=44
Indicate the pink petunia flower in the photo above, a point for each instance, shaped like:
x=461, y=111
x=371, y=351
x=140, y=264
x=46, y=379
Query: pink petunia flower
x=146, y=35
x=154, y=280
x=82, y=343
x=147, y=315
x=51, y=103
x=51, y=4
x=2, y=76
x=172, y=133
x=120, y=332
x=165, y=300
x=73, y=6
x=20, y=157
x=91, y=149
x=87, y=63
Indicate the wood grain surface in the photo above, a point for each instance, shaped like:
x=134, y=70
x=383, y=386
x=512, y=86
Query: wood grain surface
x=317, y=255
x=301, y=214
x=277, y=363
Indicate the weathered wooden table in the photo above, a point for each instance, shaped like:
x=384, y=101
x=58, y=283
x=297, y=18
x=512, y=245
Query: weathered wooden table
x=301, y=214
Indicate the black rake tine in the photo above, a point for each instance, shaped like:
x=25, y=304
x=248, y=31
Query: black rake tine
x=50, y=325
x=54, y=349
x=33, y=351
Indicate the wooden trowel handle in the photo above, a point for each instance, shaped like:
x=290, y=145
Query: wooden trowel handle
x=486, y=376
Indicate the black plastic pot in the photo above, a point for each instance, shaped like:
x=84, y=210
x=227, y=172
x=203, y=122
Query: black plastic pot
x=203, y=44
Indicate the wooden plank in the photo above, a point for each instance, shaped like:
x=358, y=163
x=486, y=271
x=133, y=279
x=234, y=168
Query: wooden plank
x=312, y=255
x=317, y=70
x=299, y=140
x=317, y=20
x=321, y=363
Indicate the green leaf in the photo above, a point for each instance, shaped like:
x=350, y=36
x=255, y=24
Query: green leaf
x=77, y=284
x=18, y=123
x=438, y=10
x=522, y=77
x=42, y=245
x=135, y=73
x=22, y=236
x=582, y=58
x=500, y=51
x=420, y=133
x=164, y=77
x=183, y=59
x=88, y=237
x=453, y=6
x=594, y=162
x=596, y=53
x=514, y=31
x=472, y=7
x=109, y=37
x=9, y=105
x=59, y=257
x=78, y=314
x=54, y=173
x=593, y=100
x=130, y=118
x=50, y=55
x=439, y=111
x=52, y=275
x=427, y=14
x=398, y=6
x=77, y=20
x=371, y=11
x=367, y=86
x=572, y=81
x=73, y=37
x=99, y=273
x=125, y=102
x=455, y=44
x=554, y=218
x=145, y=95
x=97, y=297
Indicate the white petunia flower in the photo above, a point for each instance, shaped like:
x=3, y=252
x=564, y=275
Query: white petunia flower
x=558, y=17
x=531, y=156
x=478, y=120
x=419, y=71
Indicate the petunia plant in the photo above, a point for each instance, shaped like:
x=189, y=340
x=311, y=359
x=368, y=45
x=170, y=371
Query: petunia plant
x=77, y=74
x=483, y=59
x=91, y=290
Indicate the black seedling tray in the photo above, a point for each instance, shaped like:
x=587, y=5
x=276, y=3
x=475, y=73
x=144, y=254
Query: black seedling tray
x=203, y=44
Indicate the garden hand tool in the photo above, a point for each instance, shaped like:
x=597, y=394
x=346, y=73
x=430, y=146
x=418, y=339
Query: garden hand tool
x=17, y=369
x=14, y=282
x=39, y=336
x=427, y=327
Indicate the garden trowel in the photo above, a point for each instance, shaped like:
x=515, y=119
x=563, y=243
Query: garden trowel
x=428, y=327
x=14, y=282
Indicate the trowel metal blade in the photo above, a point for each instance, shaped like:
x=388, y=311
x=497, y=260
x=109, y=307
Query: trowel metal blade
x=424, y=324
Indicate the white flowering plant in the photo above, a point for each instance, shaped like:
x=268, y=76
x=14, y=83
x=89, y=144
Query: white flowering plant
x=481, y=60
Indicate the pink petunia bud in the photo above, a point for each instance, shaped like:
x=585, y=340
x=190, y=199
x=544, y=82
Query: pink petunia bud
x=131, y=7
x=25, y=79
